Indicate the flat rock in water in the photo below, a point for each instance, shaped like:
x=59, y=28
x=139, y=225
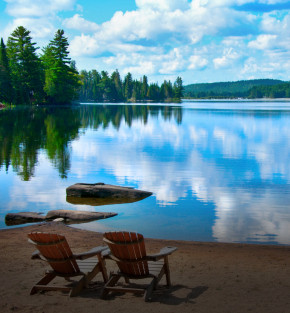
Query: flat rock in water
x=101, y=190
x=23, y=217
x=67, y=216
x=78, y=215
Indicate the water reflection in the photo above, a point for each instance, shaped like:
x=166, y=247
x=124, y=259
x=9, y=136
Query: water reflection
x=216, y=174
x=26, y=131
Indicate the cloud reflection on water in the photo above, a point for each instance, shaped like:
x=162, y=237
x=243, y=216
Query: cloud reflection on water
x=237, y=161
x=222, y=170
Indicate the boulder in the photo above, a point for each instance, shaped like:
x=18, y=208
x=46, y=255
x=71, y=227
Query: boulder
x=78, y=215
x=101, y=190
x=67, y=216
x=23, y=217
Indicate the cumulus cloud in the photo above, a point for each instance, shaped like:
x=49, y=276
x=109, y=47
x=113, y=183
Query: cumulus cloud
x=229, y=56
x=167, y=36
x=197, y=62
x=40, y=17
x=163, y=5
x=263, y=42
x=37, y=8
x=79, y=23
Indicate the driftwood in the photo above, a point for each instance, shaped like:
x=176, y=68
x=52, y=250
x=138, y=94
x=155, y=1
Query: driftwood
x=69, y=217
x=101, y=190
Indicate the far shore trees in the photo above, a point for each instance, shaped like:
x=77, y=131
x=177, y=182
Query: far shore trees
x=100, y=87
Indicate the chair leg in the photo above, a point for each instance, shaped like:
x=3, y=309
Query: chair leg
x=167, y=271
x=44, y=281
x=79, y=287
x=111, y=282
x=103, y=268
x=149, y=290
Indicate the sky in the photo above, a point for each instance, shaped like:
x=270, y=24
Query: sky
x=202, y=41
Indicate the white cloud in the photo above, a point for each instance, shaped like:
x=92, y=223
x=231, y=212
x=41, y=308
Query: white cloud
x=163, y=5
x=155, y=30
x=263, y=42
x=79, y=23
x=37, y=8
x=229, y=56
x=40, y=17
x=197, y=62
x=45, y=31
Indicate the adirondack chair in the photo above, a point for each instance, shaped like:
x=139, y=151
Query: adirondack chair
x=54, y=249
x=128, y=250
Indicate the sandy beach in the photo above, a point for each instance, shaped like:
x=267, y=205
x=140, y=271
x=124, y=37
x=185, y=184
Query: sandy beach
x=206, y=277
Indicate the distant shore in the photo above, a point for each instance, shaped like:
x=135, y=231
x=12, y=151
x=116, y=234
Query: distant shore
x=206, y=277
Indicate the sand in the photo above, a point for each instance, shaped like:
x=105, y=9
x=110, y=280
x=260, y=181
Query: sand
x=206, y=277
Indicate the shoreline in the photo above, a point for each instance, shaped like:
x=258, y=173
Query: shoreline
x=206, y=277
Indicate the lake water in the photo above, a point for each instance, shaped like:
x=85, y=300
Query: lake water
x=219, y=171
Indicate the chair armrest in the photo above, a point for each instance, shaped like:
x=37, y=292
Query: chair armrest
x=106, y=253
x=35, y=255
x=162, y=253
x=90, y=253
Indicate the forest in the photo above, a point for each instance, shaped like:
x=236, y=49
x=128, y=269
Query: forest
x=51, y=77
x=100, y=87
x=256, y=88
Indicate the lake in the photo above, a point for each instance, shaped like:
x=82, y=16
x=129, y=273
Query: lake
x=219, y=170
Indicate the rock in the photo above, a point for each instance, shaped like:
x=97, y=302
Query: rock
x=78, y=215
x=23, y=217
x=58, y=220
x=67, y=216
x=101, y=190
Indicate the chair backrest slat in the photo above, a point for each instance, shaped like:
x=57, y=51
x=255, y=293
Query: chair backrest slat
x=129, y=248
x=56, y=250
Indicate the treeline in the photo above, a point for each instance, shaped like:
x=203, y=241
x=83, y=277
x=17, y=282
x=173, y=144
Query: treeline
x=275, y=91
x=256, y=88
x=51, y=77
x=99, y=87
x=29, y=78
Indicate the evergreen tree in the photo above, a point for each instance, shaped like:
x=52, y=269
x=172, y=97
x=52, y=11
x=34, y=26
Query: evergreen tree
x=128, y=86
x=136, y=93
x=178, y=88
x=117, y=86
x=61, y=76
x=6, y=90
x=25, y=66
x=144, y=88
x=106, y=87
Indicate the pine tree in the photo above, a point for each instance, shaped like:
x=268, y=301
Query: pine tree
x=128, y=86
x=144, y=88
x=61, y=76
x=6, y=90
x=117, y=86
x=25, y=66
x=178, y=88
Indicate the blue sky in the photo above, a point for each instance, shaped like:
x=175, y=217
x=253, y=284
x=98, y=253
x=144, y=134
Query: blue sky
x=199, y=40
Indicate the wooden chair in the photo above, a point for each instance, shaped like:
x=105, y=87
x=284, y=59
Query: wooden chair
x=128, y=250
x=54, y=249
